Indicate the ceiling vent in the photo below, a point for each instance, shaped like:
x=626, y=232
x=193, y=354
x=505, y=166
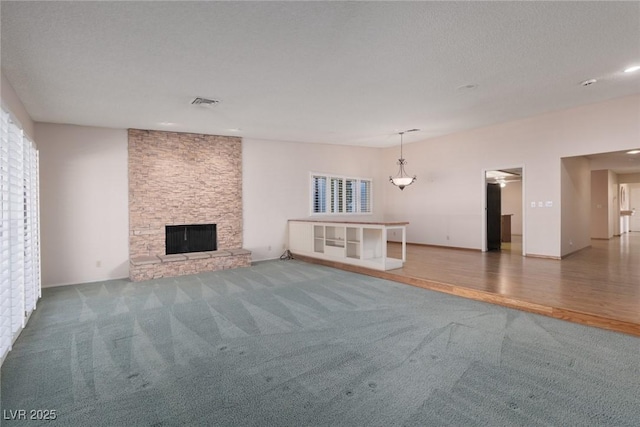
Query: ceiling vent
x=204, y=101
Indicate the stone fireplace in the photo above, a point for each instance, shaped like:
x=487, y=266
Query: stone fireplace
x=179, y=180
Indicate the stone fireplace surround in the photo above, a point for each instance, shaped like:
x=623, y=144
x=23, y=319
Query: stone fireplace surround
x=183, y=178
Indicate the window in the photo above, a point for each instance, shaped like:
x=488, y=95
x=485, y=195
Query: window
x=319, y=192
x=332, y=194
x=19, y=231
x=365, y=196
x=350, y=195
x=336, y=195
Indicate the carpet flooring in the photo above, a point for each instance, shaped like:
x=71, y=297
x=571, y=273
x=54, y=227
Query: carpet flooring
x=285, y=343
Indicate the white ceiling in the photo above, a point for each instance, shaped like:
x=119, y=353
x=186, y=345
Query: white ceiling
x=327, y=72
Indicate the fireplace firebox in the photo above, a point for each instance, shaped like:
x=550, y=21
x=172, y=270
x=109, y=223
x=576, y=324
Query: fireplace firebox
x=182, y=239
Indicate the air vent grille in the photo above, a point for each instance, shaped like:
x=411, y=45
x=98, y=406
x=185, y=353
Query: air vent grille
x=204, y=101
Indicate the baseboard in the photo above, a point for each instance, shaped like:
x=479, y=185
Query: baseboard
x=83, y=283
x=557, y=258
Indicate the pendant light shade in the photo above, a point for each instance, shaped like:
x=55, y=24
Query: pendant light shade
x=402, y=180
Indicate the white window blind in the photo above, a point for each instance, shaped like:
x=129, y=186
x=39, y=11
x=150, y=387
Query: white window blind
x=319, y=191
x=16, y=224
x=19, y=231
x=5, y=276
x=31, y=229
x=350, y=194
x=336, y=195
x=340, y=195
x=365, y=196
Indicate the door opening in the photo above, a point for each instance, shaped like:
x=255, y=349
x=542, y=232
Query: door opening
x=494, y=217
x=504, y=210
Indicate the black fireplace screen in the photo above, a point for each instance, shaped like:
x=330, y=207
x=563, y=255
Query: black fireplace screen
x=181, y=239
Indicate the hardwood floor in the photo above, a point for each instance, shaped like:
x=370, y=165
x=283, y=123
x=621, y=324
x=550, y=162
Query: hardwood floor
x=598, y=286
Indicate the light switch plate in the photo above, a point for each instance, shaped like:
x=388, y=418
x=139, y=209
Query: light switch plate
x=540, y=204
x=548, y=204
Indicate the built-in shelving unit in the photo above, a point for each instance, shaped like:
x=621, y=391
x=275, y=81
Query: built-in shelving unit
x=354, y=241
x=318, y=239
x=358, y=243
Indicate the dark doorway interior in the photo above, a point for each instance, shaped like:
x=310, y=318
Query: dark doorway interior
x=494, y=217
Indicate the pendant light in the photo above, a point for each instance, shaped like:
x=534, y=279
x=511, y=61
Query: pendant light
x=401, y=180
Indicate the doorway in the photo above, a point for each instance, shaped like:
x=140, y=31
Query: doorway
x=504, y=210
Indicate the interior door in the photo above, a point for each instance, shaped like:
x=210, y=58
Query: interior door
x=494, y=216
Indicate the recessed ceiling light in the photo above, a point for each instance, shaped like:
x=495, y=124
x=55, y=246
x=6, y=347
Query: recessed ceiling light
x=167, y=124
x=588, y=82
x=234, y=130
x=632, y=69
x=633, y=152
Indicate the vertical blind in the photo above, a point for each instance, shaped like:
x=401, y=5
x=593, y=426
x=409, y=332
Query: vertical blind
x=19, y=231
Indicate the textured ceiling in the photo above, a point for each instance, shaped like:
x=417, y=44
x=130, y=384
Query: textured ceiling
x=327, y=72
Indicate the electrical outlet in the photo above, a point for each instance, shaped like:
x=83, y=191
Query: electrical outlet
x=98, y=264
x=269, y=248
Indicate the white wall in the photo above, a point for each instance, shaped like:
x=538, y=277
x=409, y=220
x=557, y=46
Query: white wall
x=576, y=204
x=276, y=187
x=614, y=205
x=445, y=206
x=600, y=204
x=511, y=198
x=14, y=104
x=84, y=203
x=85, y=196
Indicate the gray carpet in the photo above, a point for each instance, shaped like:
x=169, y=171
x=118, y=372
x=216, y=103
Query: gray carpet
x=285, y=343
